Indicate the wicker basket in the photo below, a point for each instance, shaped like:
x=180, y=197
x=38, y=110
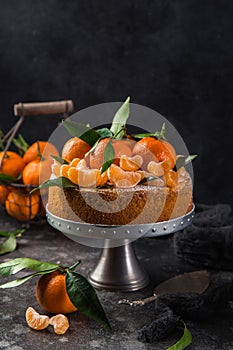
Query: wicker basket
x=21, y=110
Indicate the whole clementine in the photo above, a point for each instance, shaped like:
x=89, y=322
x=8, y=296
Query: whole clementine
x=36, y=172
x=40, y=149
x=152, y=149
x=22, y=206
x=12, y=164
x=75, y=148
x=3, y=194
x=121, y=147
x=51, y=293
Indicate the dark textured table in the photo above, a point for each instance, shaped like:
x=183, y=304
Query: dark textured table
x=156, y=256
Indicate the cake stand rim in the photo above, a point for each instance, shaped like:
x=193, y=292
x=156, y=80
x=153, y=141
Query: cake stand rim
x=147, y=230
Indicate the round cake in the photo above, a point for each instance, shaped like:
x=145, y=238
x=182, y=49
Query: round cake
x=110, y=177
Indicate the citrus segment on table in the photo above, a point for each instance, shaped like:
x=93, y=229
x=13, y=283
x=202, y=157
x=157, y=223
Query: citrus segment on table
x=51, y=293
x=123, y=179
x=35, y=320
x=12, y=164
x=60, y=323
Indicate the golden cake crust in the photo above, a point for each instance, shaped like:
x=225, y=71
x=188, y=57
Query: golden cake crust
x=137, y=205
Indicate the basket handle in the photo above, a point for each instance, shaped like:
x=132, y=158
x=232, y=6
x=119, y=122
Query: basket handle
x=37, y=108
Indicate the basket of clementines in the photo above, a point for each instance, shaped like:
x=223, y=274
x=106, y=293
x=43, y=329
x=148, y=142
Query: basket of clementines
x=24, y=166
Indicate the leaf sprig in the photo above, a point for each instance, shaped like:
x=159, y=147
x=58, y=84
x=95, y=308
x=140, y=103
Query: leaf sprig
x=9, y=245
x=184, y=341
x=80, y=291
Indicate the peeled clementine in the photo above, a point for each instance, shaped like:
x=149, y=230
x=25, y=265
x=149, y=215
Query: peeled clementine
x=51, y=293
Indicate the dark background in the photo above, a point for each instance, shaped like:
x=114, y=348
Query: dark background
x=173, y=56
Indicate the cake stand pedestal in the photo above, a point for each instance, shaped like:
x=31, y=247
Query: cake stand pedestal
x=118, y=267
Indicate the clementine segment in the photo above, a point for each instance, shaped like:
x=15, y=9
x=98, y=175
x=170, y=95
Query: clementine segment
x=22, y=206
x=35, y=320
x=75, y=148
x=123, y=179
x=121, y=147
x=51, y=293
x=60, y=323
x=131, y=163
x=171, y=178
x=12, y=164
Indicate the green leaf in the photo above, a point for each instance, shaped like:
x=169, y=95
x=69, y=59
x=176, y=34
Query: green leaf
x=82, y=131
x=9, y=245
x=109, y=155
x=16, y=233
x=141, y=136
x=104, y=132
x=160, y=135
x=62, y=182
x=119, y=120
x=182, y=161
x=8, y=179
x=148, y=179
x=11, y=267
x=184, y=341
x=19, y=281
x=21, y=144
x=84, y=297
x=60, y=160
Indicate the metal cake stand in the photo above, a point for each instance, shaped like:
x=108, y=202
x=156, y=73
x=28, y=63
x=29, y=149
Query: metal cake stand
x=118, y=267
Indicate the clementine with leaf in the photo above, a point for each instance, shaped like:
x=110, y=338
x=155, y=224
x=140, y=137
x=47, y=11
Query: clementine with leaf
x=152, y=149
x=51, y=293
x=75, y=148
x=40, y=149
x=120, y=146
x=12, y=164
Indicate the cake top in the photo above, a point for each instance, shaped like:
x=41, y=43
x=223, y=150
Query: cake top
x=114, y=158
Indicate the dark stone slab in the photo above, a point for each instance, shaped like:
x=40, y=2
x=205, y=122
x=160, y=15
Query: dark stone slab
x=156, y=256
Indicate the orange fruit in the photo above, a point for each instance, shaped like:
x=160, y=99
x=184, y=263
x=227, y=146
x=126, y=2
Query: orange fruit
x=123, y=179
x=85, y=177
x=12, y=164
x=38, y=149
x=3, y=194
x=75, y=148
x=121, y=147
x=22, y=206
x=155, y=168
x=60, y=323
x=36, y=172
x=35, y=320
x=152, y=149
x=51, y=293
x=131, y=163
x=75, y=162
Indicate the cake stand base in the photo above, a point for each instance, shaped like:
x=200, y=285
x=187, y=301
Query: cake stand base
x=118, y=269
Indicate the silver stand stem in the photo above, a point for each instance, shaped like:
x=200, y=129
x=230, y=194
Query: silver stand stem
x=118, y=269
